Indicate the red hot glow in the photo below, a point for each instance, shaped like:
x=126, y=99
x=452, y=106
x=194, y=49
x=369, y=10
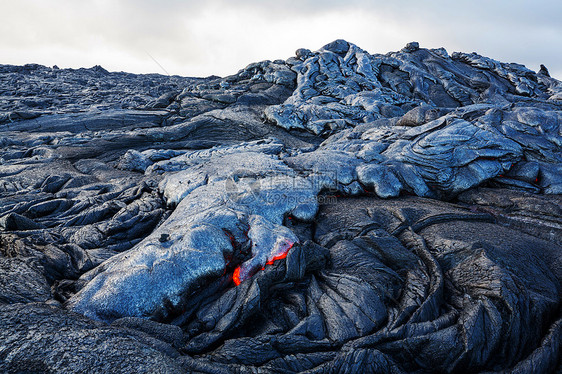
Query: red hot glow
x=278, y=257
x=236, y=276
x=271, y=261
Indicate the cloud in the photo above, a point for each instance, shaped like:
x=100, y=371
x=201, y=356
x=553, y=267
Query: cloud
x=198, y=38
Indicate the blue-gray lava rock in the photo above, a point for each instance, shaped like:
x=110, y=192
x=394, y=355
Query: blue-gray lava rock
x=335, y=212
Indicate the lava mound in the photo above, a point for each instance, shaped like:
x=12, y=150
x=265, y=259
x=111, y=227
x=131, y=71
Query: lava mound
x=335, y=212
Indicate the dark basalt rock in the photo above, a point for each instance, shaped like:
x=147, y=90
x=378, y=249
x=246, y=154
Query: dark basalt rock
x=335, y=212
x=45, y=338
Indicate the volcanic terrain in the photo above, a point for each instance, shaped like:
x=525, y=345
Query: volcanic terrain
x=335, y=212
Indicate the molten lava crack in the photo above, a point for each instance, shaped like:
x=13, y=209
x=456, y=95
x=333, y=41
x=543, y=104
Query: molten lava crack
x=236, y=275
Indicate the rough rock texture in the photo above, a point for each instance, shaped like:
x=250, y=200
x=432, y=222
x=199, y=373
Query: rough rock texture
x=335, y=212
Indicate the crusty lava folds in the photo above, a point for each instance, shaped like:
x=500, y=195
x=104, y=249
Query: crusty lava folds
x=333, y=212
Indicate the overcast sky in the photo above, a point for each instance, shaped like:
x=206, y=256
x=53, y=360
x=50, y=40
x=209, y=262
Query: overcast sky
x=200, y=38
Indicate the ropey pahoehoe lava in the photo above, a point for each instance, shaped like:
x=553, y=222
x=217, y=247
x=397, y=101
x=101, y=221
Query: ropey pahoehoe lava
x=338, y=211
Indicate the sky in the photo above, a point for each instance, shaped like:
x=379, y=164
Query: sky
x=220, y=37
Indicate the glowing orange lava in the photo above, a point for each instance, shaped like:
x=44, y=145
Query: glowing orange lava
x=278, y=257
x=236, y=276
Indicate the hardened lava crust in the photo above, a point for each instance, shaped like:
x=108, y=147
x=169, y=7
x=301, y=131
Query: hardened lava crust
x=335, y=212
